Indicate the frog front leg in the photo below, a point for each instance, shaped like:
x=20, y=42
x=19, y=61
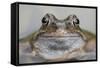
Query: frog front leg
x=82, y=34
x=32, y=47
x=33, y=40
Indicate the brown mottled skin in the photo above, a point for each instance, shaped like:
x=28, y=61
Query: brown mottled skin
x=50, y=24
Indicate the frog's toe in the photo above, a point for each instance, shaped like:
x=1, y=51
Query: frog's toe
x=33, y=53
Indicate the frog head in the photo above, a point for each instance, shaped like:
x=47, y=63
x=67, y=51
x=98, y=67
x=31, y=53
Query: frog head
x=52, y=24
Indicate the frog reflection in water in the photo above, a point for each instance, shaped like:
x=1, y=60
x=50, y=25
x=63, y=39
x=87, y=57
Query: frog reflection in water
x=54, y=27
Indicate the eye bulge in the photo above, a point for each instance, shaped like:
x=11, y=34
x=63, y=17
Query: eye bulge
x=45, y=20
x=77, y=21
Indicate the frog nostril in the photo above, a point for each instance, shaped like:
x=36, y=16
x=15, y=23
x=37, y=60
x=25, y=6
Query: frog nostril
x=53, y=23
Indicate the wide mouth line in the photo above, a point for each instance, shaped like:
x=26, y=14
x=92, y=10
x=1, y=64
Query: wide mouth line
x=59, y=36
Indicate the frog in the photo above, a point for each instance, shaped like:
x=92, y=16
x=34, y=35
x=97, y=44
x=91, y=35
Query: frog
x=52, y=28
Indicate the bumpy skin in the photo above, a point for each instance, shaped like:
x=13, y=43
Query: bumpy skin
x=50, y=24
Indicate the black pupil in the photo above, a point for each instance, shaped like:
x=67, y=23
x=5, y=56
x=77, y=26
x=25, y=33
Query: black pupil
x=77, y=21
x=44, y=20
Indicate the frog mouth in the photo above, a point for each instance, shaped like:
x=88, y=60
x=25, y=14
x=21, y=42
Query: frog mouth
x=58, y=35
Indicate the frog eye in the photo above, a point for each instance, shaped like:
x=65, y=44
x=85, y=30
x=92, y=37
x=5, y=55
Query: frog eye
x=45, y=20
x=76, y=21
